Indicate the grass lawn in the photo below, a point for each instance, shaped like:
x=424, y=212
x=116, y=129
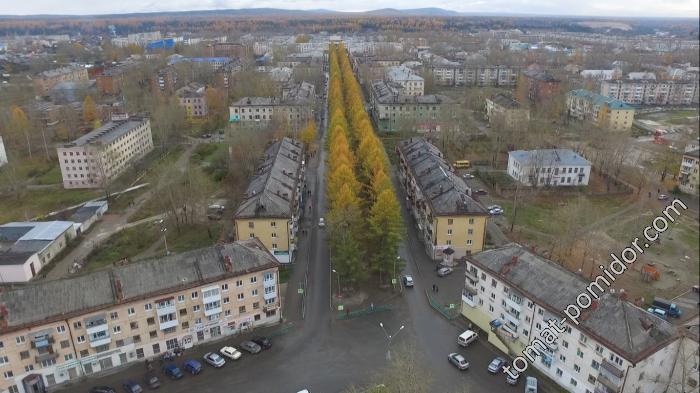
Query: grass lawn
x=34, y=203
x=125, y=244
x=194, y=236
x=213, y=159
x=53, y=176
x=285, y=272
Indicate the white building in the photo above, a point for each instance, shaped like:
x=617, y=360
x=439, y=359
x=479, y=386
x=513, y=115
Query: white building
x=96, y=158
x=618, y=347
x=3, y=153
x=26, y=247
x=549, y=167
x=411, y=83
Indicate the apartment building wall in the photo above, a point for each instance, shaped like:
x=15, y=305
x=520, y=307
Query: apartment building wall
x=603, y=115
x=91, y=165
x=512, y=118
x=245, y=113
x=549, y=174
x=475, y=75
x=644, y=92
x=122, y=333
x=195, y=105
x=464, y=234
x=576, y=361
x=274, y=233
x=689, y=175
x=45, y=81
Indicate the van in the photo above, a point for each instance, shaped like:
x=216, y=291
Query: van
x=530, y=385
x=467, y=338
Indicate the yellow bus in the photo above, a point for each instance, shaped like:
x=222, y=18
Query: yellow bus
x=462, y=164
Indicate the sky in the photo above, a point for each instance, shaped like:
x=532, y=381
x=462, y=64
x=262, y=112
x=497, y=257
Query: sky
x=618, y=8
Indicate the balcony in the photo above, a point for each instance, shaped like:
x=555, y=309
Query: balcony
x=513, y=304
x=48, y=354
x=100, y=340
x=468, y=299
x=606, y=385
x=270, y=307
x=469, y=287
x=512, y=318
x=471, y=275
x=96, y=326
x=165, y=308
x=611, y=369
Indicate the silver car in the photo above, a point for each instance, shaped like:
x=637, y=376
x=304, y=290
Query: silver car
x=250, y=347
x=443, y=271
x=458, y=360
x=214, y=359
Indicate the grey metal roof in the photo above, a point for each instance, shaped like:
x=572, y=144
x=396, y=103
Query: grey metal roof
x=505, y=101
x=402, y=73
x=549, y=157
x=445, y=192
x=387, y=92
x=46, y=301
x=615, y=322
x=273, y=188
x=108, y=132
x=40, y=230
x=256, y=101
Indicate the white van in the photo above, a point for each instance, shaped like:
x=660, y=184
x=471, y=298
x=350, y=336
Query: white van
x=467, y=338
x=530, y=385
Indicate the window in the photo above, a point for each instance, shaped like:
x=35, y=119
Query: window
x=195, y=295
x=180, y=298
x=573, y=382
x=80, y=339
x=577, y=368
x=240, y=296
x=254, y=279
x=559, y=372
x=153, y=334
x=239, y=283
x=226, y=300
x=595, y=365
x=471, y=221
x=450, y=221
x=599, y=349
x=449, y=232
x=562, y=358
x=565, y=343
x=224, y=287
x=254, y=292
x=273, y=224
x=5, y=359
x=113, y=315
x=156, y=348
x=148, y=307
x=65, y=344
x=151, y=321
x=134, y=325
x=195, y=308
x=8, y=374
x=579, y=353
x=185, y=325
x=20, y=340
x=591, y=379
x=60, y=329
x=270, y=300
x=130, y=311
x=116, y=329
x=136, y=339
x=241, y=310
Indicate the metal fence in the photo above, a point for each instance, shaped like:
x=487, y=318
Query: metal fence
x=347, y=313
x=445, y=310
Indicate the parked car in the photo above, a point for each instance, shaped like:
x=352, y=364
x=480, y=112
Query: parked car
x=214, y=359
x=662, y=197
x=206, y=136
x=131, y=386
x=321, y=222
x=231, y=353
x=467, y=338
x=492, y=207
x=102, y=389
x=458, y=360
x=512, y=381
x=481, y=191
x=172, y=371
x=250, y=347
x=468, y=176
x=443, y=271
x=496, y=212
x=496, y=365
x=263, y=342
x=530, y=385
x=408, y=281
x=152, y=381
x=192, y=366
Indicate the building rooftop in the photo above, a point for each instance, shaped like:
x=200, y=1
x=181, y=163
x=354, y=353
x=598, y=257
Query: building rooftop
x=693, y=153
x=108, y=132
x=622, y=326
x=505, y=101
x=445, y=192
x=272, y=190
x=540, y=75
x=59, y=71
x=21, y=240
x=192, y=90
x=549, y=157
x=387, y=92
x=86, y=211
x=598, y=99
x=47, y=301
x=402, y=73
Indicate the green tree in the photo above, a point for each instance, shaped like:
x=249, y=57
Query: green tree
x=386, y=229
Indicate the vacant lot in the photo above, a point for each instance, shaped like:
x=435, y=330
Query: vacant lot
x=34, y=203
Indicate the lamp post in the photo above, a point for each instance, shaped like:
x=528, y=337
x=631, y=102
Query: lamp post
x=338, y=276
x=165, y=240
x=389, y=338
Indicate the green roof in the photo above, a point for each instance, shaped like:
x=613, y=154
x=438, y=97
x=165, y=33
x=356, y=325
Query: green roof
x=598, y=99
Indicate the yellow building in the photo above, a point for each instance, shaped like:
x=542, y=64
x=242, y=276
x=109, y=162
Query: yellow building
x=604, y=111
x=56, y=331
x=440, y=201
x=274, y=197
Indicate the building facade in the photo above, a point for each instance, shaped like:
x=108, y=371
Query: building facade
x=603, y=111
x=689, y=176
x=26, y=247
x=66, y=329
x=411, y=83
x=96, y=158
x=48, y=79
x=457, y=74
x=652, y=92
x=393, y=111
x=616, y=347
x=274, y=200
x=263, y=109
x=193, y=98
x=440, y=201
x=503, y=108
x=549, y=167
x=540, y=86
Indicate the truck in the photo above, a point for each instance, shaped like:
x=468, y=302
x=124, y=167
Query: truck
x=670, y=308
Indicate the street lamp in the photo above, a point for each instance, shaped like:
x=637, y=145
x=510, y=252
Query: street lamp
x=389, y=337
x=397, y=258
x=338, y=276
x=165, y=240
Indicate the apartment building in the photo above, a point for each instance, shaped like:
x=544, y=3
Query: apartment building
x=48, y=79
x=3, y=153
x=394, y=111
x=540, y=86
x=165, y=80
x=411, y=83
x=549, y=167
x=510, y=293
x=274, y=199
x=56, y=331
x=193, y=98
x=227, y=49
x=503, y=109
x=440, y=202
x=96, y=158
x=263, y=109
x=652, y=92
x=603, y=111
x=112, y=80
x=689, y=175
x=26, y=247
x=459, y=74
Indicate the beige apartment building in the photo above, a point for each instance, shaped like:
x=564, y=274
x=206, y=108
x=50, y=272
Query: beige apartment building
x=48, y=79
x=273, y=201
x=56, y=331
x=603, y=111
x=502, y=108
x=689, y=176
x=652, y=92
x=193, y=98
x=411, y=83
x=251, y=110
x=446, y=215
x=457, y=74
x=96, y=158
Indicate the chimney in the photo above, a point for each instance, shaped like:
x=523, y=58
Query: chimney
x=3, y=317
x=118, y=289
x=228, y=264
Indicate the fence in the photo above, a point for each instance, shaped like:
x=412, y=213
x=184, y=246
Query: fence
x=447, y=312
x=364, y=311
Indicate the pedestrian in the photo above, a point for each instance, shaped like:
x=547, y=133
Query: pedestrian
x=649, y=194
x=433, y=287
x=371, y=306
x=437, y=289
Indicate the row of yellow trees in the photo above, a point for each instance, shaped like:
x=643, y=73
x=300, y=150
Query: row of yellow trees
x=364, y=215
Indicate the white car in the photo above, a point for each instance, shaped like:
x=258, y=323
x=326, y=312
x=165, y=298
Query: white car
x=231, y=353
x=321, y=222
x=496, y=212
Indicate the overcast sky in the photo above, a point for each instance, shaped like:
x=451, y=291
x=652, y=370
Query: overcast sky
x=675, y=8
